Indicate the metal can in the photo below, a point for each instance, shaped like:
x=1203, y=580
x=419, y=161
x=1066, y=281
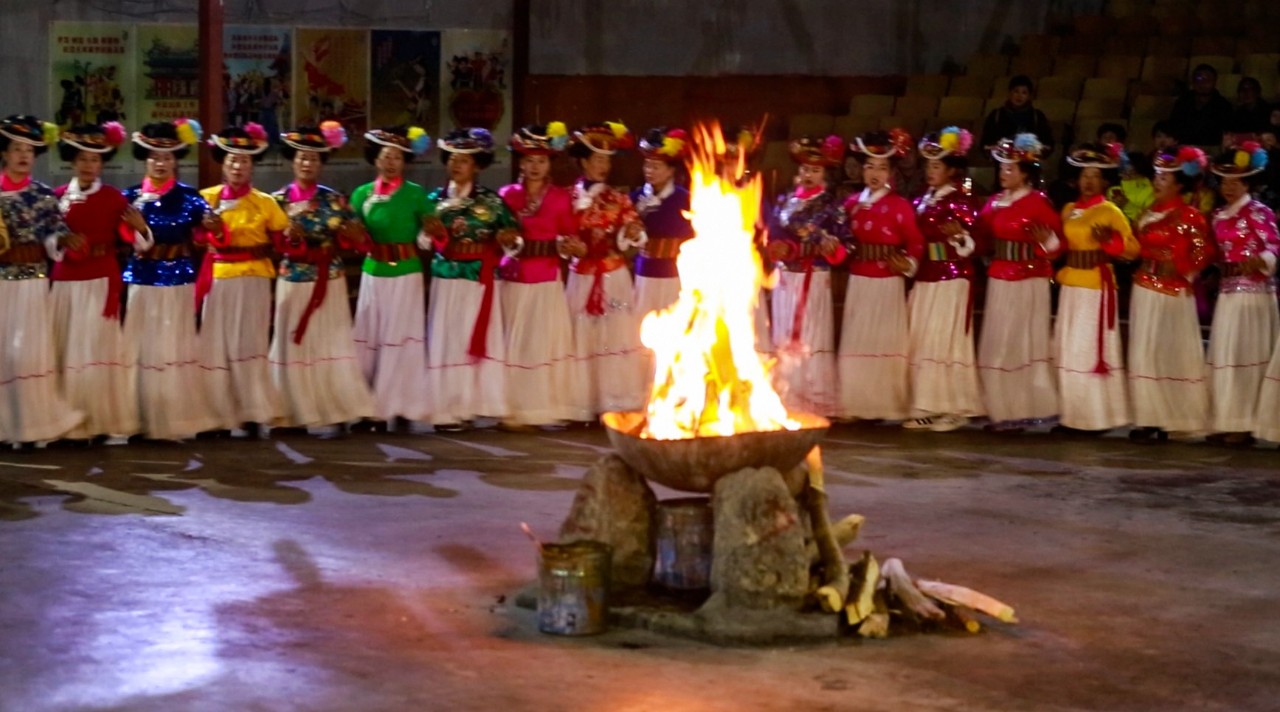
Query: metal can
x=573, y=588
x=684, y=531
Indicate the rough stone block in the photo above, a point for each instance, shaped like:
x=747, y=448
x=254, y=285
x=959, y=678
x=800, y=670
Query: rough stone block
x=615, y=505
x=759, y=559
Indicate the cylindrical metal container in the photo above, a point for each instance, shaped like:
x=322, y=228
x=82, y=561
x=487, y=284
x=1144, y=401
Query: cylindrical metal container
x=684, y=531
x=574, y=588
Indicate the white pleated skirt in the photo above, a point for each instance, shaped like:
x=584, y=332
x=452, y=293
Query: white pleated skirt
x=654, y=293
x=462, y=386
x=390, y=335
x=1168, y=380
x=805, y=371
x=31, y=404
x=607, y=347
x=1088, y=400
x=172, y=386
x=1015, y=361
x=543, y=386
x=944, y=367
x=872, y=361
x=319, y=380
x=235, y=335
x=98, y=378
x=1241, y=342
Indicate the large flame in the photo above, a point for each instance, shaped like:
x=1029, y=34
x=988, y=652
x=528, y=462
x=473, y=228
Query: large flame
x=708, y=378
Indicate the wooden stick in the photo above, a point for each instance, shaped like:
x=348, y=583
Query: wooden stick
x=845, y=531
x=866, y=572
x=835, y=571
x=916, y=604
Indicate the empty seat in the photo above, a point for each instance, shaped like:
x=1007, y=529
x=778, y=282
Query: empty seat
x=1228, y=83
x=850, y=126
x=1120, y=45
x=1059, y=88
x=960, y=107
x=937, y=123
x=986, y=65
x=1127, y=8
x=1120, y=66
x=913, y=125
x=927, y=85
x=917, y=106
x=1105, y=88
x=1045, y=43
x=1083, y=44
x=970, y=85
x=871, y=105
x=1000, y=87
x=1079, y=65
x=1169, y=46
x=1152, y=107
x=1260, y=64
x=1099, y=107
x=1036, y=64
x=1087, y=127
x=1224, y=64
x=810, y=125
x=1159, y=66
x=1213, y=45
x=1140, y=134
x=1093, y=24
x=1137, y=28
x=1057, y=109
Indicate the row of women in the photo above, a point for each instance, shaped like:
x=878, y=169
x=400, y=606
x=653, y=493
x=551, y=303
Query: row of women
x=169, y=346
x=915, y=357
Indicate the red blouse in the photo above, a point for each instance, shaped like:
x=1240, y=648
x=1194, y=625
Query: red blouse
x=1005, y=231
x=1175, y=245
x=941, y=261
x=96, y=217
x=540, y=225
x=889, y=222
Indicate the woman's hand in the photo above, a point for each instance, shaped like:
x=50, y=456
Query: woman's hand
x=211, y=222
x=72, y=242
x=133, y=218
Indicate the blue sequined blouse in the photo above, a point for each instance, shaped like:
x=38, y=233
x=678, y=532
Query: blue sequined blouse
x=173, y=217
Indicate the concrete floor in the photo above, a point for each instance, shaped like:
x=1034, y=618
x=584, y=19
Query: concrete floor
x=375, y=573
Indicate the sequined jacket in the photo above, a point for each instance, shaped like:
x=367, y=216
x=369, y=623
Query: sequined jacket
x=1175, y=246
x=321, y=218
x=173, y=218
x=31, y=219
x=801, y=224
x=1245, y=229
x=941, y=260
x=601, y=213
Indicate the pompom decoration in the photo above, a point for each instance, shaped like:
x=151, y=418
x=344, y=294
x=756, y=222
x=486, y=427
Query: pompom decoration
x=746, y=140
x=419, y=141
x=618, y=128
x=1241, y=159
x=949, y=140
x=1258, y=158
x=51, y=132
x=901, y=141
x=255, y=131
x=671, y=146
x=114, y=133
x=334, y=135
x=1027, y=143
x=556, y=129
x=965, y=140
x=189, y=131
x=1193, y=160
x=833, y=149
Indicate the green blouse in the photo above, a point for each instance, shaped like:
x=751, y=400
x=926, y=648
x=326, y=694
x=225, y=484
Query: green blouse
x=396, y=218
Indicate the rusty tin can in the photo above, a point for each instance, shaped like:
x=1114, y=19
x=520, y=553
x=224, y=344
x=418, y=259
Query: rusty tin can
x=573, y=591
x=684, y=532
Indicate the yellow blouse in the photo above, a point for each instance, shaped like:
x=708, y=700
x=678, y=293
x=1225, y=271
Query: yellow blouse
x=247, y=224
x=1077, y=227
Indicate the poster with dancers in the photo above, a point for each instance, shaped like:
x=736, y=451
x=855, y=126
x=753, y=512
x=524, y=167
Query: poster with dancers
x=257, y=82
x=93, y=79
x=475, y=82
x=405, y=79
x=333, y=84
x=168, y=67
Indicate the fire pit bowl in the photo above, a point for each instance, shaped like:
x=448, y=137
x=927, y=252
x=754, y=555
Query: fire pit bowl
x=694, y=464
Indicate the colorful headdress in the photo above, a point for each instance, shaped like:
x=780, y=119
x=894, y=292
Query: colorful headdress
x=894, y=143
x=95, y=139
x=670, y=145
x=1187, y=160
x=1098, y=155
x=1023, y=148
x=474, y=140
x=29, y=130
x=412, y=139
x=813, y=151
x=1245, y=159
x=607, y=138
x=169, y=136
x=328, y=136
x=539, y=140
x=951, y=141
x=743, y=140
x=251, y=140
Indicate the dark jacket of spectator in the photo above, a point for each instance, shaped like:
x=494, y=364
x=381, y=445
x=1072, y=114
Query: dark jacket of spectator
x=1201, y=115
x=1008, y=121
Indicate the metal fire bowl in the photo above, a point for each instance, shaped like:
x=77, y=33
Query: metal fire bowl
x=694, y=464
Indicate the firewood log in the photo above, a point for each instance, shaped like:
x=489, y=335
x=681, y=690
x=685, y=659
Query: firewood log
x=876, y=625
x=962, y=618
x=845, y=531
x=866, y=575
x=835, y=571
x=916, y=604
x=961, y=596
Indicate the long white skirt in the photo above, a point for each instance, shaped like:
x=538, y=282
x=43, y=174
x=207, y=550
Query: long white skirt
x=1015, y=363
x=172, y=387
x=944, y=368
x=98, y=378
x=805, y=372
x=31, y=406
x=390, y=335
x=654, y=293
x=463, y=387
x=1268, y=412
x=1089, y=400
x=610, y=359
x=874, y=373
x=1168, y=381
x=542, y=384
x=235, y=335
x=1240, y=345
x=319, y=379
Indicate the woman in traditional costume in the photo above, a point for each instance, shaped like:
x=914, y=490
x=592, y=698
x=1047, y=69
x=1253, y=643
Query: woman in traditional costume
x=313, y=356
x=886, y=248
x=662, y=203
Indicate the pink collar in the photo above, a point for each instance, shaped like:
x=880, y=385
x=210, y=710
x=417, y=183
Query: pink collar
x=1090, y=202
x=386, y=187
x=8, y=184
x=230, y=193
x=804, y=193
x=298, y=194
x=149, y=187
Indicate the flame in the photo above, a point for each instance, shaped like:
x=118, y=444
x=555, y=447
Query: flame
x=708, y=378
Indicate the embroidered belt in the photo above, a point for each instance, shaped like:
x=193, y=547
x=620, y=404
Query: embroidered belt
x=1159, y=268
x=240, y=254
x=666, y=248
x=24, y=253
x=171, y=251
x=1086, y=259
x=467, y=250
x=1232, y=269
x=392, y=252
x=540, y=248
x=872, y=252
x=936, y=252
x=1015, y=251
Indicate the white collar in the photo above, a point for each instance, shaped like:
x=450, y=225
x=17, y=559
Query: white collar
x=74, y=194
x=934, y=195
x=650, y=200
x=455, y=193
x=1005, y=199
x=1230, y=211
x=1151, y=217
x=867, y=198
x=583, y=198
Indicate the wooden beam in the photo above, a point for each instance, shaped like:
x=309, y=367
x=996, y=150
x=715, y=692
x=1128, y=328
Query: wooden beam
x=521, y=19
x=212, y=110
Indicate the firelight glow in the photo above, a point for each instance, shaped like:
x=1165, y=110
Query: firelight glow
x=708, y=378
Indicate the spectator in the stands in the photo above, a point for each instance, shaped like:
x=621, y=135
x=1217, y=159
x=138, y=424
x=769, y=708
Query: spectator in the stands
x=1251, y=114
x=1134, y=194
x=1162, y=137
x=1112, y=133
x=1016, y=116
x=1202, y=114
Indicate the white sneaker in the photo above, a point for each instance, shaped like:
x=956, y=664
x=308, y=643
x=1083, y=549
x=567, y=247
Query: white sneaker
x=239, y=433
x=947, y=423
x=117, y=440
x=323, y=431
x=924, y=423
x=42, y=444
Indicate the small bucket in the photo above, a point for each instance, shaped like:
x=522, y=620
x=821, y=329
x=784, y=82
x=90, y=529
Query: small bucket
x=573, y=588
x=684, y=532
